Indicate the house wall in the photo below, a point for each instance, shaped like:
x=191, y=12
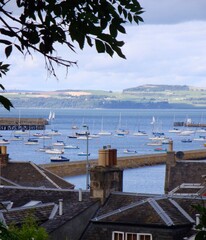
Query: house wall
x=73, y=229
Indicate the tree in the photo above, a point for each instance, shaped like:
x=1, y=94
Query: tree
x=201, y=227
x=41, y=25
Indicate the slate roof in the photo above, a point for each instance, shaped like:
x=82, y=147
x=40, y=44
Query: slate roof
x=47, y=207
x=143, y=210
x=31, y=175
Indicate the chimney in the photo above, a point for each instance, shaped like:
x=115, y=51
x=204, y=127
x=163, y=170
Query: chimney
x=170, y=163
x=60, y=207
x=106, y=177
x=4, y=157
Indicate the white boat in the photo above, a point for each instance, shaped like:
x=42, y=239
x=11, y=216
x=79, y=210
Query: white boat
x=84, y=138
x=129, y=151
x=53, y=132
x=200, y=138
x=44, y=148
x=174, y=130
x=31, y=141
x=59, y=159
x=103, y=132
x=140, y=133
x=186, y=132
x=59, y=143
x=83, y=154
x=54, y=151
x=17, y=138
x=4, y=141
x=120, y=131
x=71, y=147
x=21, y=132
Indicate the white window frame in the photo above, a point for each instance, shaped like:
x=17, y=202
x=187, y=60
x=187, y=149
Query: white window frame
x=117, y=232
x=138, y=235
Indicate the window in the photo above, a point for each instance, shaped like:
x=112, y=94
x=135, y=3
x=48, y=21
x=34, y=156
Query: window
x=117, y=236
x=145, y=237
x=131, y=236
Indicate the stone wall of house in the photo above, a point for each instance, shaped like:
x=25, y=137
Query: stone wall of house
x=184, y=171
x=79, y=167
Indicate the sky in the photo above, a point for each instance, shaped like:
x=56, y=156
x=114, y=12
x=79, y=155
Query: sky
x=168, y=48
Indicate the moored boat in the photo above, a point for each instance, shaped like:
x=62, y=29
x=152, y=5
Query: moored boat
x=129, y=151
x=71, y=147
x=59, y=159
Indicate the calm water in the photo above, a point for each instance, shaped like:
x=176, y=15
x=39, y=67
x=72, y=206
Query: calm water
x=148, y=179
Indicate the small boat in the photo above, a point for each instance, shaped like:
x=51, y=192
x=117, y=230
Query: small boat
x=54, y=132
x=59, y=143
x=72, y=136
x=105, y=133
x=59, y=159
x=54, y=151
x=21, y=132
x=84, y=138
x=160, y=149
x=4, y=141
x=71, y=147
x=83, y=154
x=32, y=141
x=44, y=148
x=16, y=138
x=38, y=135
x=186, y=140
x=200, y=138
x=140, y=133
x=174, y=130
x=129, y=151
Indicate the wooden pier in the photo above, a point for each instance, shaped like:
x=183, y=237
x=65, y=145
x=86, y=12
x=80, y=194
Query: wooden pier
x=13, y=124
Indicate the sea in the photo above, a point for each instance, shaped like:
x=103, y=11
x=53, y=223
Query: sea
x=148, y=179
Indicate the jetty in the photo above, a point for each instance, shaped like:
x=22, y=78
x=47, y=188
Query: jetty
x=23, y=124
x=75, y=168
x=186, y=124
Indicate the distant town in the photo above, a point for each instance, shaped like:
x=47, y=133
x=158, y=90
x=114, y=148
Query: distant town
x=145, y=96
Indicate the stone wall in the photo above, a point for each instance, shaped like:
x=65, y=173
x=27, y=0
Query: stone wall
x=79, y=167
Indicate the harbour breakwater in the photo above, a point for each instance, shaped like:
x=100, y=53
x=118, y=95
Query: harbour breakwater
x=79, y=167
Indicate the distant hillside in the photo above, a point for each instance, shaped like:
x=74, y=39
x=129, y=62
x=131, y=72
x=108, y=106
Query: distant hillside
x=145, y=96
x=157, y=88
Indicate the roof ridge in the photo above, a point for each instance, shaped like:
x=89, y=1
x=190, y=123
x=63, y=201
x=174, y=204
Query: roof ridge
x=161, y=212
x=43, y=174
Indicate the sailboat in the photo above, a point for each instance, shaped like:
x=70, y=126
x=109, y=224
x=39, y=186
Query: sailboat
x=120, y=131
x=103, y=132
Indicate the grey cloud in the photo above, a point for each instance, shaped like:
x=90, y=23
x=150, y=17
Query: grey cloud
x=173, y=11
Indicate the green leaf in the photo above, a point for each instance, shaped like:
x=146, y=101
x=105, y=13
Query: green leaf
x=99, y=46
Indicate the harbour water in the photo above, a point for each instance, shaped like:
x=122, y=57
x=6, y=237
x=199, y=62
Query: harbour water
x=136, y=180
